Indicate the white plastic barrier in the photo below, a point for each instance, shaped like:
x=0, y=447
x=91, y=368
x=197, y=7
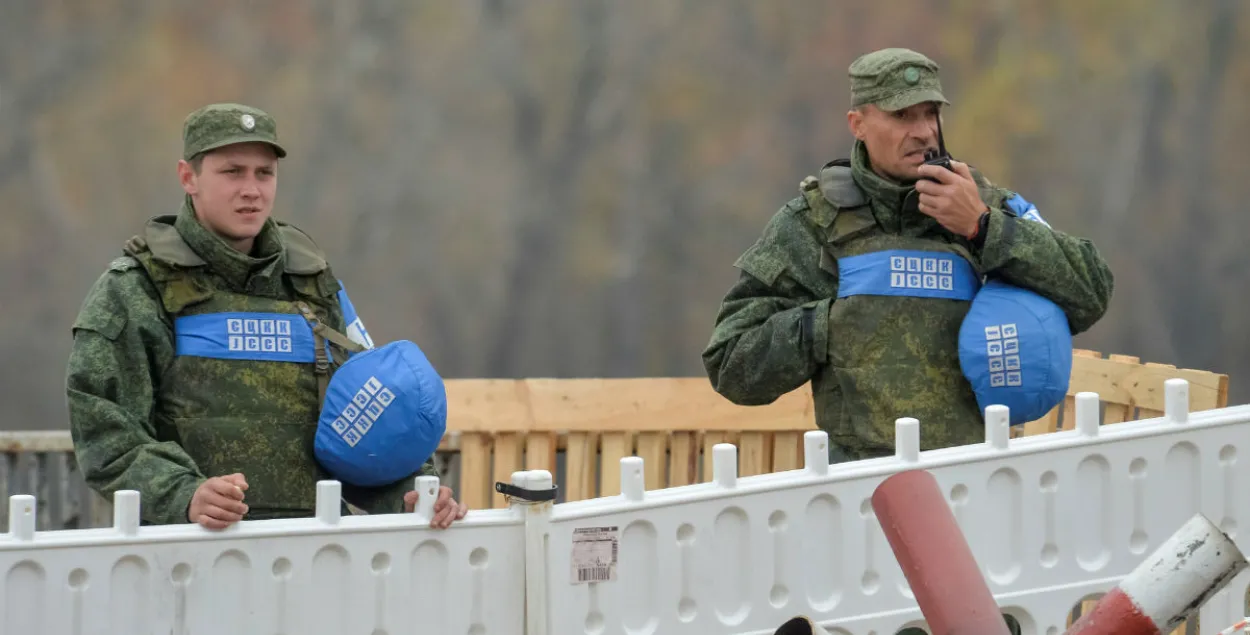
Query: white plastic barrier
x=1050, y=518
x=386, y=574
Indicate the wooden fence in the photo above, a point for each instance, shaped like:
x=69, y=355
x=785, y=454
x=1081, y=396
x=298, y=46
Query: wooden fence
x=672, y=423
x=579, y=429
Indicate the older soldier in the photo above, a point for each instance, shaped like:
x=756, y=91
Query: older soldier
x=826, y=293
x=207, y=431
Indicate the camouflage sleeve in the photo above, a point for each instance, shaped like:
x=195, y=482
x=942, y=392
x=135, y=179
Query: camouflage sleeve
x=1023, y=250
x=388, y=499
x=771, y=332
x=120, y=346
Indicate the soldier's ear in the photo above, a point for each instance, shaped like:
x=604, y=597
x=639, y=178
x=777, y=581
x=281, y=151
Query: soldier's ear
x=187, y=177
x=855, y=123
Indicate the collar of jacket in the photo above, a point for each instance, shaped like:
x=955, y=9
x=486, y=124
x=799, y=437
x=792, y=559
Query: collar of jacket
x=893, y=203
x=258, y=273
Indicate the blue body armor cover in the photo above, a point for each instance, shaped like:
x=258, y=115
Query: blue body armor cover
x=1015, y=346
x=385, y=409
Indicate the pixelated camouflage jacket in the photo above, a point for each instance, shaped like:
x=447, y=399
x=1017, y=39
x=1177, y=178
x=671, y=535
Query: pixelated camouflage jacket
x=143, y=418
x=873, y=359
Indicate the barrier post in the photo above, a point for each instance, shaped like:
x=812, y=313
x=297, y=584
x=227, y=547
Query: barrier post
x=935, y=556
x=1169, y=586
x=533, y=494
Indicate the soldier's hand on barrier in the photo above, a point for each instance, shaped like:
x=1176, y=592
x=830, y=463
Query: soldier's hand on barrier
x=218, y=502
x=446, y=509
x=954, y=200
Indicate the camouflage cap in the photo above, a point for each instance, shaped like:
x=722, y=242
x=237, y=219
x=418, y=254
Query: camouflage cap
x=893, y=79
x=217, y=125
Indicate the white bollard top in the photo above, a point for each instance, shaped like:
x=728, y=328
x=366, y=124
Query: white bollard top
x=1087, y=415
x=907, y=439
x=816, y=452
x=997, y=426
x=329, y=497
x=725, y=464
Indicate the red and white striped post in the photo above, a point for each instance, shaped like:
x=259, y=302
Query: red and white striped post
x=1169, y=586
x=935, y=556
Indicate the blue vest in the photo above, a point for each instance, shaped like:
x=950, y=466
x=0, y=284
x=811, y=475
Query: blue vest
x=1015, y=346
x=384, y=411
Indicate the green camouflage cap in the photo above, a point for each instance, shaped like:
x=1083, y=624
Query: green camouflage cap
x=893, y=79
x=217, y=125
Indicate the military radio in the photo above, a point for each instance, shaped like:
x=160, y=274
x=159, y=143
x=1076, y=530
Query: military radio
x=938, y=157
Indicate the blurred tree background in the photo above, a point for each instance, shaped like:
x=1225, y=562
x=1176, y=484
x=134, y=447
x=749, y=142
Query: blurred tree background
x=560, y=188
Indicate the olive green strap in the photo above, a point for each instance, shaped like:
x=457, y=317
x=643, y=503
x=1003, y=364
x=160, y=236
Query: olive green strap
x=320, y=328
x=321, y=333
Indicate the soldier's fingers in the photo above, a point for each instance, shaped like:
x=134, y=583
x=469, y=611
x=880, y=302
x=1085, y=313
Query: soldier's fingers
x=944, y=176
x=221, y=513
x=925, y=186
x=225, y=503
x=962, y=169
x=208, y=522
x=442, y=518
x=464, y=509
x=225, y=488
x=928, y=204
x=237, y=480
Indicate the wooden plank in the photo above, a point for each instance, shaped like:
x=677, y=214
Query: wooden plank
x=664, y=404
x=1119, y=412
x=579, y=466
x=1150, y=413
x=35, y=441
x=1067, y=420
x=488, y=405
x=787, y=451
x=507, y=460
x=683, y=459
x=1045, y=425
x=753, y=457
x=653, y=449
x=1141, y=386
x=1206, y=400
x=614, y=448
x=540, y=451
x=475, y=474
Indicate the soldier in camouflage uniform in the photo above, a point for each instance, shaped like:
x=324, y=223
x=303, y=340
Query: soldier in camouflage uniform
x=875, y=357
x=205, y=439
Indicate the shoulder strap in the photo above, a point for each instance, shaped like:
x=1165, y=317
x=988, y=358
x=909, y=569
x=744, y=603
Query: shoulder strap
x=322, y=333
x=832, y=191
x=169, y=263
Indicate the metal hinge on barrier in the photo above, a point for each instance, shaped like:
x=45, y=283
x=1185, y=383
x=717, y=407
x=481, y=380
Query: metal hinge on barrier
x=527, y=495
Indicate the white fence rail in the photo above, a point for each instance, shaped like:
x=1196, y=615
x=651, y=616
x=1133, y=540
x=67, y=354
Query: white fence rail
x=324, y=575
x=1051, y=519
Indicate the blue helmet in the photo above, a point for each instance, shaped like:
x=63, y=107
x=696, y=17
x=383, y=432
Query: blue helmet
x=384, y=414
x=1015, y=348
